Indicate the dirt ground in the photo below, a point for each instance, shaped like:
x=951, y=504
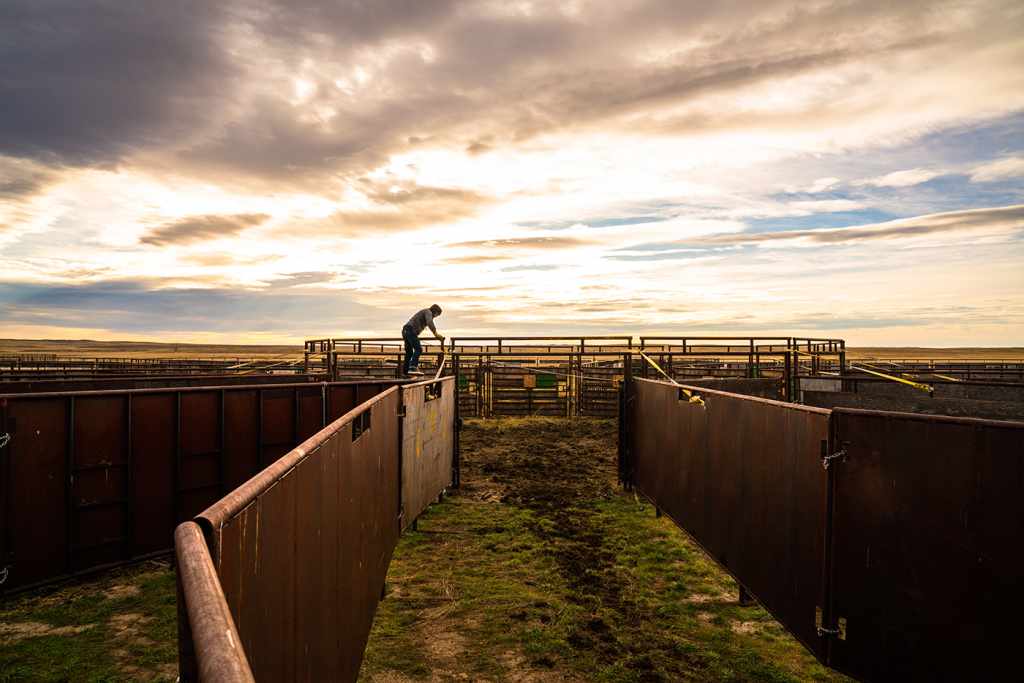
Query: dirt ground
x=541, y=569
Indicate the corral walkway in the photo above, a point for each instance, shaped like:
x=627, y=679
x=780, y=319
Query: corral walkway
x=541, y=569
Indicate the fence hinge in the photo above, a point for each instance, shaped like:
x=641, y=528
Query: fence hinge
x=4, y=440
x=4, y=573
x=839, y=455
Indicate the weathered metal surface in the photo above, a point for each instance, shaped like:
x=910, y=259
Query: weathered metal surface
x=37, y=386
x=38, y=517
x=97, y=477
x=154, y=471
x=303, y=548
x=210, y=649
x=743, y=477
x=428, y=431
x=928, y=559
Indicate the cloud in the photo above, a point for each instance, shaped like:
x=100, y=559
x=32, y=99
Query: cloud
x=539, y=268
x=822, y=185
x=471, y=259
x=1005, y=219
x=541, y=243
x=86, y=82
x=148, y=306
x=406, y=206
x=1001, y=169
x=813, y=206
x=201, y=228
x=908, y=178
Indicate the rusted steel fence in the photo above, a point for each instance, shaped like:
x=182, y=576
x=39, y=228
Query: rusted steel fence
x=298, y=555
x=743, y=476
x=92, y=478
x=890, y=544
x=928, y=546
x=428, y=444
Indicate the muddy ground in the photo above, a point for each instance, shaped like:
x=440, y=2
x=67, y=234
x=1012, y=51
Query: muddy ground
x=542, y=569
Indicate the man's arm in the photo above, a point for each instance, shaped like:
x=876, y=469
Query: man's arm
x=430, y=324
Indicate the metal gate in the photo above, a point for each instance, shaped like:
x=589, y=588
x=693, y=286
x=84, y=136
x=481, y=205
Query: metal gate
x=928, y=559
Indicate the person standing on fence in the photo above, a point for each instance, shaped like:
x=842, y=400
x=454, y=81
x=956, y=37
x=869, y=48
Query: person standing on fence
x=411, y=337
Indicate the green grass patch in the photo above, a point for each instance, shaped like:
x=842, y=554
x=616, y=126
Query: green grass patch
x=120, y=627
x=541, y=569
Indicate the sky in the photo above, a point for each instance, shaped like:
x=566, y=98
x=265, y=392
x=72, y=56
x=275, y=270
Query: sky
x=251, y=171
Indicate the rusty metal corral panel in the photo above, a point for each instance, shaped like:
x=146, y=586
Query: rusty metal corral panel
x=302, y=549
x=341, y=398
x=102, y=476
x=743, y=477
x=311, y=415
x=279, y=424
x=99, y=482
x=154, y=435
x=428, y=444
x=928, y=562
x=241, y=436
x=200, y=454
x=38, y=461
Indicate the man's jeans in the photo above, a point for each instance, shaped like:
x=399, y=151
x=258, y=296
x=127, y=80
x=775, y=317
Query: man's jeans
x=413, y=349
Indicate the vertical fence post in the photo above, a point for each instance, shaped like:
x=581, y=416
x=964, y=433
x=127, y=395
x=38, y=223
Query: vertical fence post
x=750, y=360
x=456, y=427
x=787, y=379
x=625, y=424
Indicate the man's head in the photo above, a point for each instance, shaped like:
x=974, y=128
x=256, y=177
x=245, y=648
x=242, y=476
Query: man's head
x=435, y=310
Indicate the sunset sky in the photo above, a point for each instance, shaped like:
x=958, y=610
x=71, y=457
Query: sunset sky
x=267, y=171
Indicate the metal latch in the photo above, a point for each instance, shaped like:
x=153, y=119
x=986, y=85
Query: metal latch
x=3, y=575
x=4, y=440
x=838, y=632
x=840, y=455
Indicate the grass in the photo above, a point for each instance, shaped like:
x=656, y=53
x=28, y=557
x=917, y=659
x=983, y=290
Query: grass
x=120, y=627
x=541, y=569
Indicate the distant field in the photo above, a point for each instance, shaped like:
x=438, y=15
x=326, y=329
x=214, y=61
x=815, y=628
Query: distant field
x=124, y=349
x=1014, y=353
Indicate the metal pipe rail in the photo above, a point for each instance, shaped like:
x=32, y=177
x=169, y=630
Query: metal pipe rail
x=283, y=581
